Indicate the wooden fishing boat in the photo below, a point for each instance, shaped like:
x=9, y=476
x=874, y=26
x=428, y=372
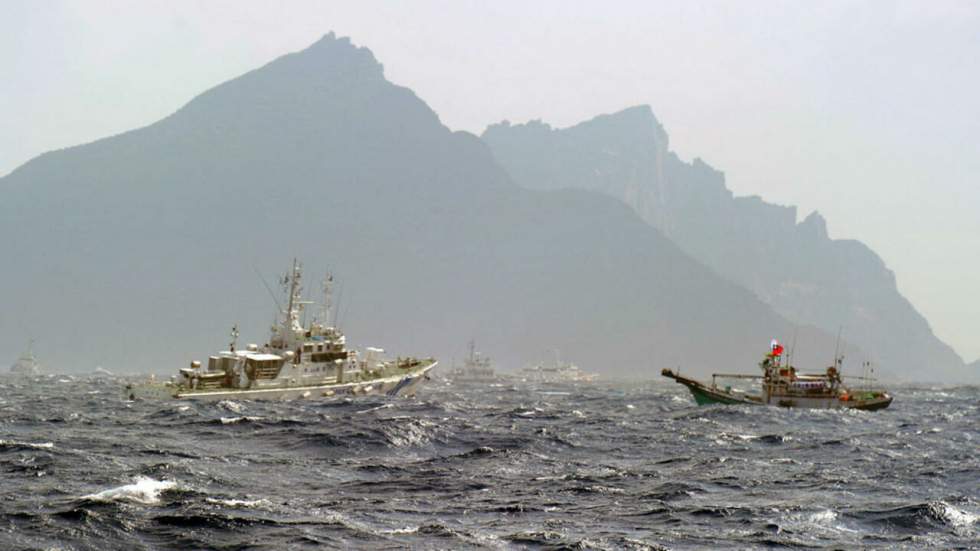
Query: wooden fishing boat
x=782, y=386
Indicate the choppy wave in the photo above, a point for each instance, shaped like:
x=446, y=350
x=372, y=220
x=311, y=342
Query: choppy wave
x=569, y=467
x=919, y=517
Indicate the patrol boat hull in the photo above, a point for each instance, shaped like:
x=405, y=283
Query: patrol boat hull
x=398, y=385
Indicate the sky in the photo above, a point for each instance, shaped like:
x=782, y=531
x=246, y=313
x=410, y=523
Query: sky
x=865, y=111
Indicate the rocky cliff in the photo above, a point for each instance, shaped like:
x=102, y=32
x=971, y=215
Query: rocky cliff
x=794, y=267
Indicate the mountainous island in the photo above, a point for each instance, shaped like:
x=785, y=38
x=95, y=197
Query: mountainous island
x=139, y=251
x=793, y=267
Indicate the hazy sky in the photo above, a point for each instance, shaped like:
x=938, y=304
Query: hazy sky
x=865, y=111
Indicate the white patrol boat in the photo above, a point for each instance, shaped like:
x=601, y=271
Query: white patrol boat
x=557, y=372
x=311, y=362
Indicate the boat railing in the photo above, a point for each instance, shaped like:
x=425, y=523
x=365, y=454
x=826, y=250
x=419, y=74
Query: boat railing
x=716, y=376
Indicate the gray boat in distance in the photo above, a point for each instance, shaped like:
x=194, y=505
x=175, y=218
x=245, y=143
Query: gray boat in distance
x=476, y=369
x=27, y=365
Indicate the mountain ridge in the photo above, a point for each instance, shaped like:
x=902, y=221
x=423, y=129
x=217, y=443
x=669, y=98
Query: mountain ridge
x=144, y=245
x=792, y=266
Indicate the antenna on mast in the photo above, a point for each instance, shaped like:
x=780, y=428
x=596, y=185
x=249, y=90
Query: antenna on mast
x=336, y=311
x=267, y=288
x=234, y=337
x=792, y=347
x=291, y=282
x=838, y=359
x=30, y=348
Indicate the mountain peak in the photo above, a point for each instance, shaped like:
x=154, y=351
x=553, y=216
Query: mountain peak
x=330, y=38
x=330, y=46
x=637, y=112
x=326, y=91
x=634, y=129
x=636, y=124
x=814, y=225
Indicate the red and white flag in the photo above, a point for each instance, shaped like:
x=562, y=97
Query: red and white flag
x=776, y=348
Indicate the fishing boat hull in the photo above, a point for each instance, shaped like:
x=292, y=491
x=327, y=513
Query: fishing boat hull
x=398, y=385
x=706, y=395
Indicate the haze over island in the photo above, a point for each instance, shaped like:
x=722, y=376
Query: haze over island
x=596, y=240
x=864, y=112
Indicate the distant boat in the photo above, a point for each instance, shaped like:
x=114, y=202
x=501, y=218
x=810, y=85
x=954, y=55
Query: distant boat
x=782, y=386
x=556, y=372
x=100, y=371
x=27, y=365
x=300, y=361
x=477, y=368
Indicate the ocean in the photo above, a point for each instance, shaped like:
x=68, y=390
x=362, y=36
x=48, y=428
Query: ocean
x=563, y=466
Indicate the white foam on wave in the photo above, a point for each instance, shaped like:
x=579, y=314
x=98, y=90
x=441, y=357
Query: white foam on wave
x=401, y=433
x=144, y=490
x=231, y=406
x=401, y=531
x=815, y=522
x=248, y=503
x=957, y=517
x=35, y=445
x=823, y=517
x=369, y=410
x=233, y=420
